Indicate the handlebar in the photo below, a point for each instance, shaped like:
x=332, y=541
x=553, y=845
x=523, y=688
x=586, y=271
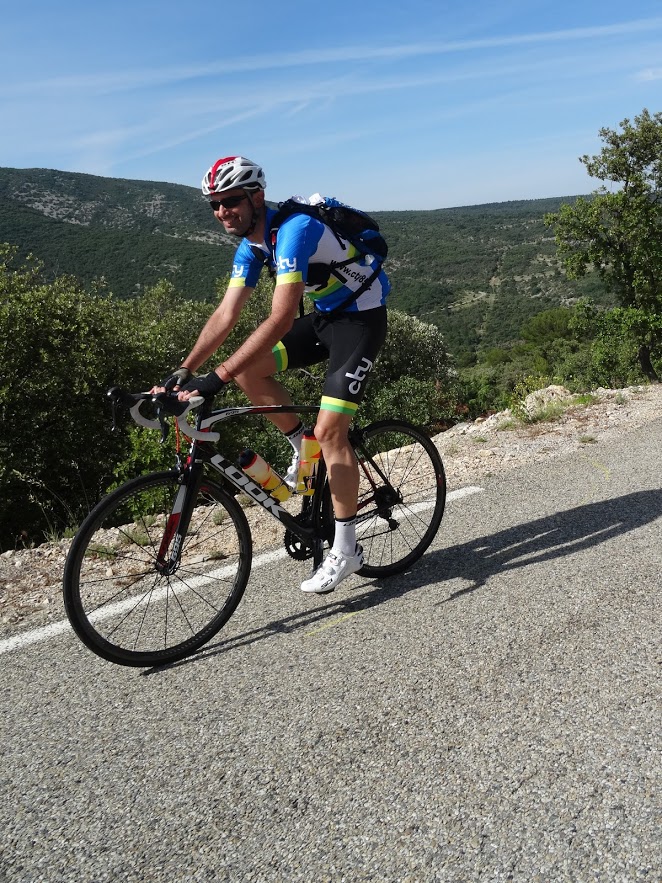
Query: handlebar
x=165, y=401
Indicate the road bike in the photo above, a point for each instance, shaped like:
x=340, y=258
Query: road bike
x=160, y=564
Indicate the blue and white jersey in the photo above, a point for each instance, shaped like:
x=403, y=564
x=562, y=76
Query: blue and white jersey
x=303, y=241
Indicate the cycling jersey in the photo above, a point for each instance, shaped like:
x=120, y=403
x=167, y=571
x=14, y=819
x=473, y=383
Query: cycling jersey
x=303, y=247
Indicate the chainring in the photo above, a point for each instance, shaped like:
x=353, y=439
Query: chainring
x=295, y=547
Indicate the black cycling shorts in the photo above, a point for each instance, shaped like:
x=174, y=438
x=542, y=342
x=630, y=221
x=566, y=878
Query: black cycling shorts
x=350, y=341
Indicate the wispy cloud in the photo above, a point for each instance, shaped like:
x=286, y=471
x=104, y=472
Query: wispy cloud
x=649, y=74
x=160, y=144
x=415, y=81
x=299, y=94
x=150, y=78
x=203, y=112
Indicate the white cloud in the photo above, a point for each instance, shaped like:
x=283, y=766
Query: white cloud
x=649, y=74
x=149, y=78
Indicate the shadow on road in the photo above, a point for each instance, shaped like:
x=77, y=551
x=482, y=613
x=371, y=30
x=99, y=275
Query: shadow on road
x=546, y=539
x=523, y=545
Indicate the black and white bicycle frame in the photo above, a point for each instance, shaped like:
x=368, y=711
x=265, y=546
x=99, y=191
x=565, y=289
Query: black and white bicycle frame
x=203, y=451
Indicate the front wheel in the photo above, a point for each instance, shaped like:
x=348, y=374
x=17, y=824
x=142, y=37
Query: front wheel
x=122, y=601
x=402, y=494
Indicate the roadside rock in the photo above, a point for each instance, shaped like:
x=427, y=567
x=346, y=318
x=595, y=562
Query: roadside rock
x=537, y=401
x=571, y=424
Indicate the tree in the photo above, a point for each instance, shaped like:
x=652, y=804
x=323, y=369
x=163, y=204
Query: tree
x=546, y=327
x=62, y=348
x=611, y=339
x=619, y=232
x=413, y=377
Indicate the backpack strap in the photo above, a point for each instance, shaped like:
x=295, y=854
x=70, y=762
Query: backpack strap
x=355, y=295
x=264, y=258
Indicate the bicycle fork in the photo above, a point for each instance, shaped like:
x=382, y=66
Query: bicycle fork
x=176, y=528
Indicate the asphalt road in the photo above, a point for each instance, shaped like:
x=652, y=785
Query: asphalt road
x=492, y=715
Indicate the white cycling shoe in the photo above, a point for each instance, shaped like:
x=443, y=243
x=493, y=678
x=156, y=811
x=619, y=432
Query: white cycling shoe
x=335, y=567
x=291, y=476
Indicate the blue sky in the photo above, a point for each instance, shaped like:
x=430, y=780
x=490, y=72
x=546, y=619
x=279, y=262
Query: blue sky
x=414, y=105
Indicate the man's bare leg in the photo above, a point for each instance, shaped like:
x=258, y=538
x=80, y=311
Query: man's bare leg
x=342, y=468
x=261, y=387
x=331, y=431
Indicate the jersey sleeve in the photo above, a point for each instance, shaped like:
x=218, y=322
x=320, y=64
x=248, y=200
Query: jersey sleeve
x=297, y=240
x=246, y=267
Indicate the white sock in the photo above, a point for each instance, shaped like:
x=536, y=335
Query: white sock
x=294, y=437
x=345, y=537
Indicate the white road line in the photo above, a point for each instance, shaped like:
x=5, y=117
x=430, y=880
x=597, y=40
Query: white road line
x=57, y=628
x=464, y=492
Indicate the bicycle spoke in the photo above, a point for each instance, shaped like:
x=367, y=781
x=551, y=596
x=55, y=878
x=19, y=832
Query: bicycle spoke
x=129, y=599
x=402, y=492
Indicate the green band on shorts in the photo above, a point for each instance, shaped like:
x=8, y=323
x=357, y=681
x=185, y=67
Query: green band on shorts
x=280, y=355
x=338, y=405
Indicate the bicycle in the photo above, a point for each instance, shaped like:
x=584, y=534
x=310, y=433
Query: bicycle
x=160, y=564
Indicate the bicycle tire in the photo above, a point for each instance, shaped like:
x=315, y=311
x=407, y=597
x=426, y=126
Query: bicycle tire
x=397, y=519
x=128, y=611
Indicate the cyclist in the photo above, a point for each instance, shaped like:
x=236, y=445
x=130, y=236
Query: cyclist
x=348, y=332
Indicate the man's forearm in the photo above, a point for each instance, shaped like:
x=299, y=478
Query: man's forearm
x=216, y=330
x=205, y=346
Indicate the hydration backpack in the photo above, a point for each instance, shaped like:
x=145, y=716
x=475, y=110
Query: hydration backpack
x=349, y=225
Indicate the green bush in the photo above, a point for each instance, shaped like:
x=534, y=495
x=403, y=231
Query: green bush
x=60, y=350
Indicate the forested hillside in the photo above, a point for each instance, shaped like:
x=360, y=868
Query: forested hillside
x=475, y=272
x=478, y=272
x=128, y=233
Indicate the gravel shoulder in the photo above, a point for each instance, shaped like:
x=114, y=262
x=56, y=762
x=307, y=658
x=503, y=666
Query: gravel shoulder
x=30, y=579
x=499, y=443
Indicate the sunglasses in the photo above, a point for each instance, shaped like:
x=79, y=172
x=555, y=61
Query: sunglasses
x=228, y=202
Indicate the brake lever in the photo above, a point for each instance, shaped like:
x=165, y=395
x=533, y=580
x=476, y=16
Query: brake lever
x=170, y=403
x=113, y=411
x=165, y=425
x=167, y=405
x=117, y=396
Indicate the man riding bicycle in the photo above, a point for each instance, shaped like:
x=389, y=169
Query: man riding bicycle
x=348, y=331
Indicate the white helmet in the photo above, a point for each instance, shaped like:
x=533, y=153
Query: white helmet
x=232, y=172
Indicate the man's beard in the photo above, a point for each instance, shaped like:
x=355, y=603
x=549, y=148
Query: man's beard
x=247, y=230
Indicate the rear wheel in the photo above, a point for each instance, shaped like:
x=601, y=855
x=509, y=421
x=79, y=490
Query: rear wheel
x=130, y=608
x=402, y=494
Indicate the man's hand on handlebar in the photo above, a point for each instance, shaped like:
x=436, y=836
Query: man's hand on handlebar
x=172, y=381
x=206, y=385
x=182, y=383
x=177, y=378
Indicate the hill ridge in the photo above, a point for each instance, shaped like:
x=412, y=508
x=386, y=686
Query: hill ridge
x=475, y=271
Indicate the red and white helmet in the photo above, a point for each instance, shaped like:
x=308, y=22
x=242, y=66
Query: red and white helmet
x=232, y=172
